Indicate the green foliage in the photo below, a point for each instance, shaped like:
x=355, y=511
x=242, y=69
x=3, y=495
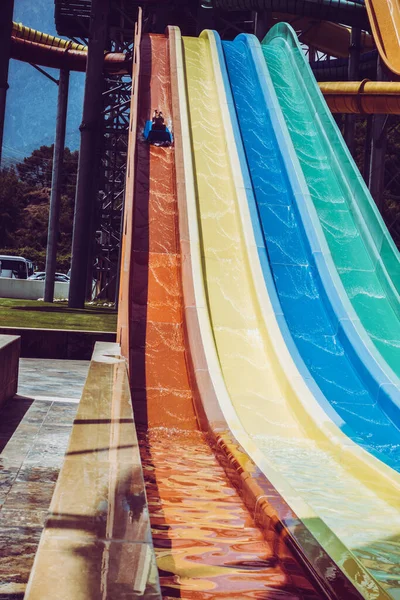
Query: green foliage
x=35, y=170
x=11, y=205
x=24, y=207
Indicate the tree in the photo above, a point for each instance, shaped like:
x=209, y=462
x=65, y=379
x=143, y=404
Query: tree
x=35, y=170
x=24, y=207
x=11, y=205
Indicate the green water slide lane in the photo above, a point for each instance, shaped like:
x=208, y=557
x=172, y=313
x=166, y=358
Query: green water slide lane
x=364, y=253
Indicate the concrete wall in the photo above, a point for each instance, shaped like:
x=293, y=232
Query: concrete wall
x=57, y=343
x=93, y=494
x=9, y=361
x=29, y=289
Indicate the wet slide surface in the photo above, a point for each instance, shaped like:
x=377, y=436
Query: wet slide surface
x=337, y=191
x=384, y=17
x=264, y=399
x=302, y=301
x=206, y=543
x=309, y=316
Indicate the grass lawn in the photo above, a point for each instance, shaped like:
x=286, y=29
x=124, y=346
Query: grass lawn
x=45, y=315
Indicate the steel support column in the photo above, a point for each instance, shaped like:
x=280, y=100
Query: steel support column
x=89, y=152
x=376, y=174
x=116, y=103
x=262, y=23
x=7, y=10
x=205, y=16
x=376, y=181
x=354, y=61
x=55, y=197
x=367, y=148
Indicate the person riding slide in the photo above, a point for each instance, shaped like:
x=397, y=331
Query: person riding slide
x=158, y=121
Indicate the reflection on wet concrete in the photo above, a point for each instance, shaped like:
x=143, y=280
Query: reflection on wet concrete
x=34, y=436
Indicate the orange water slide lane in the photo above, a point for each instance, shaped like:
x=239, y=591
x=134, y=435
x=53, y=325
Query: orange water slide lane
x=384, y=17
x=206, y=543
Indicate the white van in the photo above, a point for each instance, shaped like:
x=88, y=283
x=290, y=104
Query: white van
x=15, y=267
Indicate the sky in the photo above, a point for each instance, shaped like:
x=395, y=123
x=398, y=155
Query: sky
x=32, y=98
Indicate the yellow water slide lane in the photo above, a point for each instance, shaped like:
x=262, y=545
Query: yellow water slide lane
x=384, y=17
x=332, y=485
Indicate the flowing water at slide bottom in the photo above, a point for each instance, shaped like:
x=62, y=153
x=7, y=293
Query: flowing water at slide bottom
x=206, y=543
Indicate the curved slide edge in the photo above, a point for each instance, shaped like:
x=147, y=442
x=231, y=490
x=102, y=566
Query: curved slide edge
x=241, y=458
x=355, y=457
x=30, y=45
x=368, y=468
x=384, y=17
x=19, y=30
x=333, y=296
x=379, y=246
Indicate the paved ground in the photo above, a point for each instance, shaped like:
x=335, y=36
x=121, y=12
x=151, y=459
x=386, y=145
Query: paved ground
x=34, y=431
x=53, y=380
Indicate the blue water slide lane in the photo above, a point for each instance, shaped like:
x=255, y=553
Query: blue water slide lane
x=310, y=303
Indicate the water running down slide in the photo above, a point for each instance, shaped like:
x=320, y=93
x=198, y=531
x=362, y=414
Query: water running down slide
x=281, y=204
x=206, y=543
x=362, y=249
x=304, y=455
x=312, y=306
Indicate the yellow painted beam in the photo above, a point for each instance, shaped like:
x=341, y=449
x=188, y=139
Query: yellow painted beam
x=365, y=97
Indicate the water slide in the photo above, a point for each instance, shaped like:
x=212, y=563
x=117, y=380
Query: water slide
x=193, y=347
x=362, y=249
x=314, y=304
x=303, y=283
x=308, y=459
x=384, y=18
x=30, y=45
x=206, y=542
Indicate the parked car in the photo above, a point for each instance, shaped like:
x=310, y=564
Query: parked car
x=41, y=275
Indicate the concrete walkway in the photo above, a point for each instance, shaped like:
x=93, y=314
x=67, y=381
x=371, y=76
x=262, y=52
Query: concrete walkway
x=34, y=431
